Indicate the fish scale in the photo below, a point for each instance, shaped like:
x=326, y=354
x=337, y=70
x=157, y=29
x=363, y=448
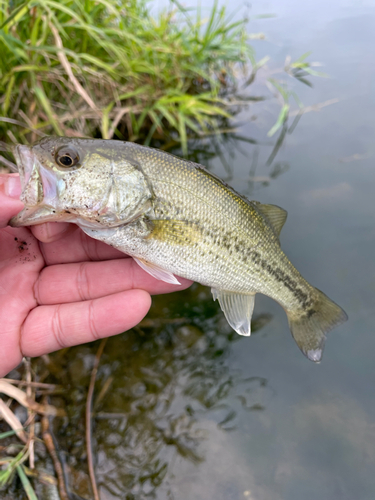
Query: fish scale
x=215, y=208
x=175, y=218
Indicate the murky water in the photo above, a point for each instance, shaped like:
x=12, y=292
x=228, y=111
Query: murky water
x=190, y=410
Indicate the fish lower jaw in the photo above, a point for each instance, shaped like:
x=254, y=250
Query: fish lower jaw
x=36, y=214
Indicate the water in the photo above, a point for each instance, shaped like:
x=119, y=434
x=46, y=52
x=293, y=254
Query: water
x=193, y=411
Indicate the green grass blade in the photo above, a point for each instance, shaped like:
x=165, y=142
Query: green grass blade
x=283, y=116
x=44, y=102
x=8, y=94
x=7, y=434
x=105, y=120
x=16, y=15
x=183, y=135
x=134, y=93
x=302, y=58
x=7, y=474
x=26, y=483
x=155, y=125
x=278, y=87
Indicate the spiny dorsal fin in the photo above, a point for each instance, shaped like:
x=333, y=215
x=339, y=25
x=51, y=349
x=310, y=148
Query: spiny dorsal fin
x=276, y=216
x=237, y=308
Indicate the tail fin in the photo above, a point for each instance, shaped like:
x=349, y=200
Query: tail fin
x=309, y=329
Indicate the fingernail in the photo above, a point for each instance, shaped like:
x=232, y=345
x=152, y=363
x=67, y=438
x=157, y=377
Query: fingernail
x=12, y=186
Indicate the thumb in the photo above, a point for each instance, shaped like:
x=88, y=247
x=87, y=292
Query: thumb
x=10, y=204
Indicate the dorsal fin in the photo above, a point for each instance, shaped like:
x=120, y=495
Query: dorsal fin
x=275, y=215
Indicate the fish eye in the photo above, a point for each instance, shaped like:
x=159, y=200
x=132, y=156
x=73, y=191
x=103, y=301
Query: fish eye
x=66, y=157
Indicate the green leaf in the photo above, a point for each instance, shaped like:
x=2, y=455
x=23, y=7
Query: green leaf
x=155, y=125
x=167, y=115
x=283, y=92
x=283, y=116
x=13, y=45
x=134, y=93
x=16, y=15
x=7, y=474
x=7, y=434
x=26, y=483
x=30, y=67
x=105, y=120
x=8, y=95
x=183, y=135
x=303, y=57
x=316, y=73
x=44, y=102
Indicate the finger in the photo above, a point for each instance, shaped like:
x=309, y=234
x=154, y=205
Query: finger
x=51, y=231
x=10, y=355
x=9, y=208
x=75, y=246
x=65, y=283
x=49, y=328
x=10, y=191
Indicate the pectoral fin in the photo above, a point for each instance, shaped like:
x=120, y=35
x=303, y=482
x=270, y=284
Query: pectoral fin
x=237, y=308
x=157, y=272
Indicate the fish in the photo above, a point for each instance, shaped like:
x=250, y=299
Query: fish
x=175, y=218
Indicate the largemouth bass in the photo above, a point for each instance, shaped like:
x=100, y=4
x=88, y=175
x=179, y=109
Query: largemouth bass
x=175, y=219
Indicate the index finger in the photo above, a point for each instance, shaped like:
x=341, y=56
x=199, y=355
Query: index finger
x=48, y=328
x=64, y=283
x=75, y=246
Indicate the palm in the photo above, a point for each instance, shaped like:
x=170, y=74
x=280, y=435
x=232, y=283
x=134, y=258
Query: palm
x=65, y=289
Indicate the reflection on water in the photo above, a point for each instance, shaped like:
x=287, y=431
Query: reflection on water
x=157, y=388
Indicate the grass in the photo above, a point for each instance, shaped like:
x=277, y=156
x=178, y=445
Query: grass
x=108, y=68
x=15, y=452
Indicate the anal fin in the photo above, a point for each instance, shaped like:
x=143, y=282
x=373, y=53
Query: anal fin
x=156, y=271
x=237, y=308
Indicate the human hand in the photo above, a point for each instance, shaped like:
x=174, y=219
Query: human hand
x=59, y=287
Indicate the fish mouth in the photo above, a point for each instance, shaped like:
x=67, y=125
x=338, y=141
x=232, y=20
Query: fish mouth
x=25, y=163
x=38, y=190
x=30, y=216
